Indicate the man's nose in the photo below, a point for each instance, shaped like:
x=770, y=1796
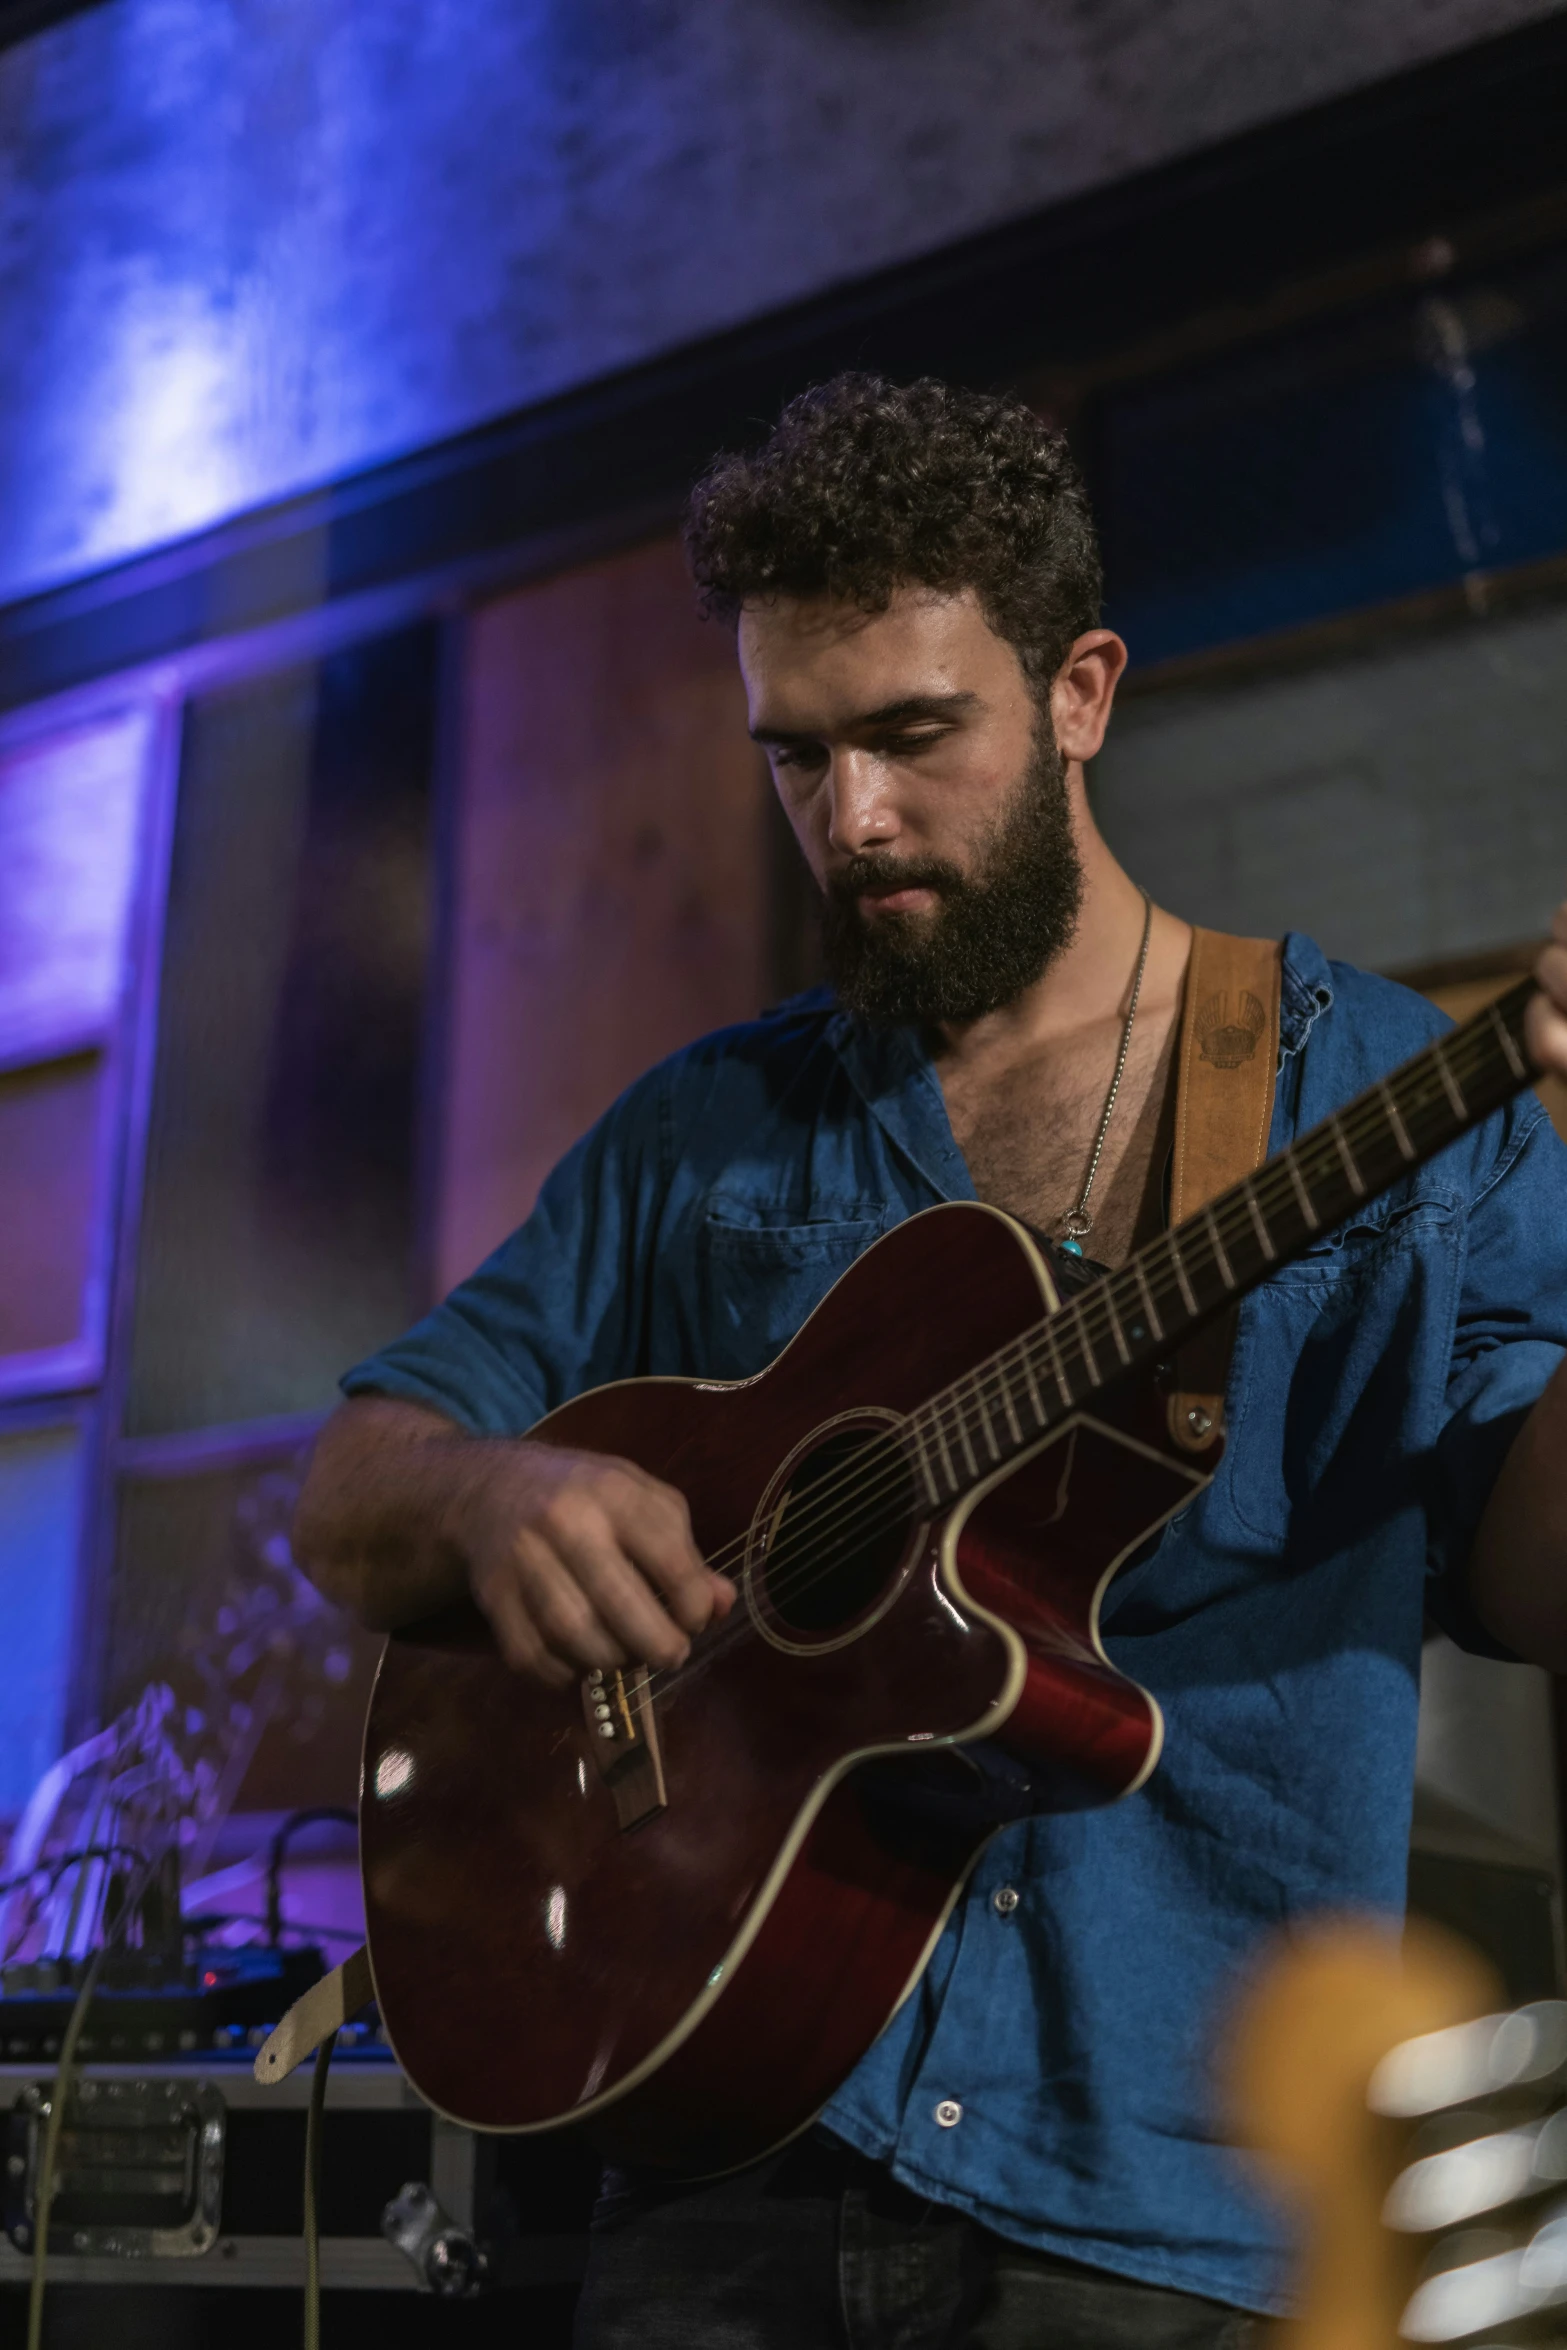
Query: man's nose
x=862, y=813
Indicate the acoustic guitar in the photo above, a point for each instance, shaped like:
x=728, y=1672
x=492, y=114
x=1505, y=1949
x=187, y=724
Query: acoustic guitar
x=678, y=1907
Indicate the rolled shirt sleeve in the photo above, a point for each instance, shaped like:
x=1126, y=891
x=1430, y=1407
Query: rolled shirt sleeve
x=559, y=1306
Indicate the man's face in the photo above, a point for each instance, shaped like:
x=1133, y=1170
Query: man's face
x=925, y=787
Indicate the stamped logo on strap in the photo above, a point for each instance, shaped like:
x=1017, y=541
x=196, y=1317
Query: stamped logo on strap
x=1225, y=1038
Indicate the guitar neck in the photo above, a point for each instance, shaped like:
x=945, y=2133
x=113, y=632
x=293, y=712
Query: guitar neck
x=1187, y=1276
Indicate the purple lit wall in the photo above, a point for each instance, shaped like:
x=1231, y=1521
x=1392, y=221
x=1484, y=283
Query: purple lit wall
x=72, y=807
x=40, y=1501
x=246, y=245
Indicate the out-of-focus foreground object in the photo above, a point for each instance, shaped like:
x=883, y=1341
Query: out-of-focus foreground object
x=1316, y=2028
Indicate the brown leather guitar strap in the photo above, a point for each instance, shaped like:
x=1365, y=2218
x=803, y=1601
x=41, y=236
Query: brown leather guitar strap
x=1229, y=1054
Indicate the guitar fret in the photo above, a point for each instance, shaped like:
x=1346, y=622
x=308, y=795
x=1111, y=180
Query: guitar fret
x=963, y=1439
x=1013, y=1422
x=922, y=1461
x=1515, y=1061
x=1125, y=1352
x=1034, y=1396
x=1062, y=1382
x=985, y=1421
x=1357, y=1181
x=1142, y=1283
x=1259, y=1221
x=1400, y=1130
x=941, y=1441
x=1222, y=1261
x=1180, y=1274
x=1307, y=1209
x=1080, y=1329
x=1450, y=1085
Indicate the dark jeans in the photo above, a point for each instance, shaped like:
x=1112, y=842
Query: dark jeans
x=818, y=2249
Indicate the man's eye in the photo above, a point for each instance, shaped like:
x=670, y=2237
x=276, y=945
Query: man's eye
x=901, y=746
x=800, y=755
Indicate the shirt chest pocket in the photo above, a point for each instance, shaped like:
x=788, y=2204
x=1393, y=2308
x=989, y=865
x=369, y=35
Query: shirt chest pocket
x=1337, y=1381
x=761, y=1271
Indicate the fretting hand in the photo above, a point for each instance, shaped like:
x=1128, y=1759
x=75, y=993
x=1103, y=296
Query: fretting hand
x=1545, y=1024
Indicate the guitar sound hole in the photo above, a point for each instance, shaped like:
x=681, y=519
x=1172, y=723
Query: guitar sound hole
x=840, y=1533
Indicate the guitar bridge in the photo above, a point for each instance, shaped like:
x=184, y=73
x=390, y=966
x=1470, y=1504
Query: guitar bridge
x=623, y=1733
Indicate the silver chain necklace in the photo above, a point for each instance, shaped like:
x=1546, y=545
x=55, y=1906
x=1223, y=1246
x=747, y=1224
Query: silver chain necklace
x=1079, y=1223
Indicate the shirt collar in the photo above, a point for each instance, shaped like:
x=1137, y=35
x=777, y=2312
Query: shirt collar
x=892, y=1071
x=1305, y=991
x=893, y=1074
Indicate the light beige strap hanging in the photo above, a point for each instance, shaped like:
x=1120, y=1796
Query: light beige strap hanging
x=1229, y=1054
x=324, y=2008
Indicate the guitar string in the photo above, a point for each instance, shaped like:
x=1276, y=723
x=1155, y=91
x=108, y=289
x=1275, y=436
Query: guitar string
x=867, y=1519
x=982, y=1383
x=1091, y=1311
x=947, y=1410
x=666, y=1685
x=983, y=1380
x=1361, y=1122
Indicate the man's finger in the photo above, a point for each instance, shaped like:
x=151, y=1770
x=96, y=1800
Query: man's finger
x=562, y=1612
x=1551, y=972
x=1545, y=1033
x=654, y=1529
x=621, y=1598
x=520, y=1643
x=724, y=1594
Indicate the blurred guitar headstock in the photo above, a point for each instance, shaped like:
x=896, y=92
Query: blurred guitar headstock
x=1319, y=2016
x=1417, y=2132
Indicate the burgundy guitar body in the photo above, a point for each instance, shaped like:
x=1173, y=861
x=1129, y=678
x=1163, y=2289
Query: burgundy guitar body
x=685, y=1943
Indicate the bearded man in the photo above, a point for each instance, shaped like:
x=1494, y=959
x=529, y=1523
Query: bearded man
x=1028, y=2155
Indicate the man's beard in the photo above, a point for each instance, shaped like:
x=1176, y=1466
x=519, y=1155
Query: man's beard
x=994, y=930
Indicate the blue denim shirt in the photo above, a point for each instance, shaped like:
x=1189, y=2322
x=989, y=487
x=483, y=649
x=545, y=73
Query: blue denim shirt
x=1375, y=1387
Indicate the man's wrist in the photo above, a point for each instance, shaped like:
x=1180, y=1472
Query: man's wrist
x=479, y=1466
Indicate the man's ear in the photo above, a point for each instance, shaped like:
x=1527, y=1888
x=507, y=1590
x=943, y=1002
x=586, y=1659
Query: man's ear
x=1083, y=692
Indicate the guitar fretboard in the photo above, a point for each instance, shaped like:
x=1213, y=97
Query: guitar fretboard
x=1184, y=1278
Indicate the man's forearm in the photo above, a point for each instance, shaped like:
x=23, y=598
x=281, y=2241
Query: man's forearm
x=1518, y=1568
x=378, y=1527
x=578, y=1559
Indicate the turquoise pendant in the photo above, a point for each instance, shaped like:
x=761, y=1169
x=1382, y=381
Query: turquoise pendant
x=1071, y=1248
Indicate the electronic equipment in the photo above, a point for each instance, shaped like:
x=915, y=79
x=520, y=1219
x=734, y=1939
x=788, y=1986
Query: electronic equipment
x=190, y=2173
x=444, y=2255
x=139, y=2171
x=216, y=1999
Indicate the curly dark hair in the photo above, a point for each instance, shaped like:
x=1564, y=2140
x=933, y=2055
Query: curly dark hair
x=865, y=486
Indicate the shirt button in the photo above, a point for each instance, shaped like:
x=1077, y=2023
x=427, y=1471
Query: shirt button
x=1004, y=1900
x=949, y=2113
